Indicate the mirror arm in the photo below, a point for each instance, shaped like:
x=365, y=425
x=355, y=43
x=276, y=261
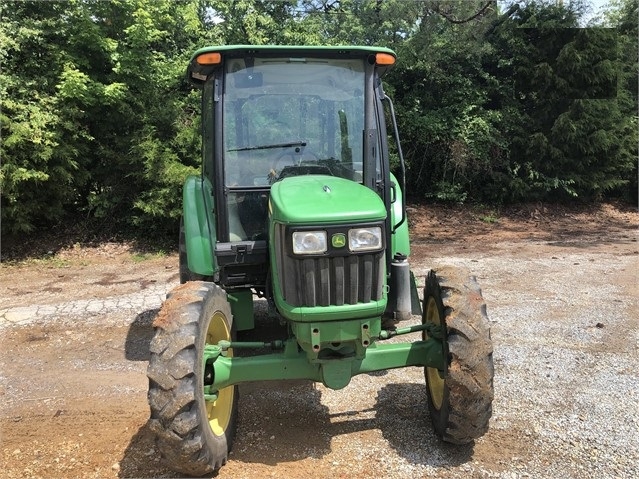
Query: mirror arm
x=401, y=161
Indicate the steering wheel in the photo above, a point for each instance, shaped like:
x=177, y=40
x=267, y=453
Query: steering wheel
x=296, y=157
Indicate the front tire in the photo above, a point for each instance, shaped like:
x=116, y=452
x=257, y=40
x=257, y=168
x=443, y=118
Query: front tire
x=460, y=403
x=193, y=436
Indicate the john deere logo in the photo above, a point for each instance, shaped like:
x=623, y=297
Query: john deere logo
x=338, y=240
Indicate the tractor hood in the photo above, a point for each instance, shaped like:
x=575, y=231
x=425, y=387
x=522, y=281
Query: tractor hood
x=319, y=199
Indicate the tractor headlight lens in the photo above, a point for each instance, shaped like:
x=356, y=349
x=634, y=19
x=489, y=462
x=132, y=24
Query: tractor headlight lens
x=365, y=239
x=309, y=242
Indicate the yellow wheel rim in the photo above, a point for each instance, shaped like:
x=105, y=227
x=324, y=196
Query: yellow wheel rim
x=219, y=411
x=435, y=382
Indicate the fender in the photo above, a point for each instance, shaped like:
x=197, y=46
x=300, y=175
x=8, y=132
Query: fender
x=400, y=241
x=199, y=225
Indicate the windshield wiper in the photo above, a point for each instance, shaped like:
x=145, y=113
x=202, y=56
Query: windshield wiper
x=267, y=147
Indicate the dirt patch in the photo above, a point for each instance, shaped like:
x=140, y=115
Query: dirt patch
x=78, y=272
x=485, y=225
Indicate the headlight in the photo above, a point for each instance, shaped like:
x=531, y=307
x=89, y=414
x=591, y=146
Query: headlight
x=309, y=242
x=365, y=239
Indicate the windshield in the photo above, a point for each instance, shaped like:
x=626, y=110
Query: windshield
x=285, y=116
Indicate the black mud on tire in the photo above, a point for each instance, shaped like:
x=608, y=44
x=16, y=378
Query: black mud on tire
x=461, y=406
x=179, y=417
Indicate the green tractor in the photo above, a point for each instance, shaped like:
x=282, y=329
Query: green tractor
x=297, y=209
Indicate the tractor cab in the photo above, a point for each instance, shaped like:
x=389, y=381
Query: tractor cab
x=272, y=113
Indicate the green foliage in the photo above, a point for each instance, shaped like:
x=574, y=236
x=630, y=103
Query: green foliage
x=41, y=150
x=97, y=119
x=570, y=133
x=164, y=175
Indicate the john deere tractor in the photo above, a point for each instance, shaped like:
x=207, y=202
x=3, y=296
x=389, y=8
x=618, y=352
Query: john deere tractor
x=297, y=208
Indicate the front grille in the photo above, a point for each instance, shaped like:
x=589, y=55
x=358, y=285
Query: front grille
x=330, y=281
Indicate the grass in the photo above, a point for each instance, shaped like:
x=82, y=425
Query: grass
x=49, y=261
x=490, y=218
x=486, y=214
x=139, y=257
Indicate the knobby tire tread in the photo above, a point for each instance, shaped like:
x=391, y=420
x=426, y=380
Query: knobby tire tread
x=174, y=389
x=470, y=374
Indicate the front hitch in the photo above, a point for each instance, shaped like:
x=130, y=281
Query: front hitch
x=222, y=370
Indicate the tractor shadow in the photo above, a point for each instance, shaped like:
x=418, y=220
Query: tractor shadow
x=403, y=419
x=141, y=459
x=139, y=335
x=299, y=426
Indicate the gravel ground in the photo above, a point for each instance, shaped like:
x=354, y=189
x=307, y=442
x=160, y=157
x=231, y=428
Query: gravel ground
x=566, y=356
x=566, y=349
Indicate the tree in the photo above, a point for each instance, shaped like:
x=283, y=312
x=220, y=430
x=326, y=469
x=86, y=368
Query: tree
x=622, y=16
x=96, y=114
x=568, y=139
x=42, y=146
x=98, y=120
x=451, y=130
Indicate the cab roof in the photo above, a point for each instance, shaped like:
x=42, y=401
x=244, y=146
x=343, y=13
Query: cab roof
x=197, y=73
